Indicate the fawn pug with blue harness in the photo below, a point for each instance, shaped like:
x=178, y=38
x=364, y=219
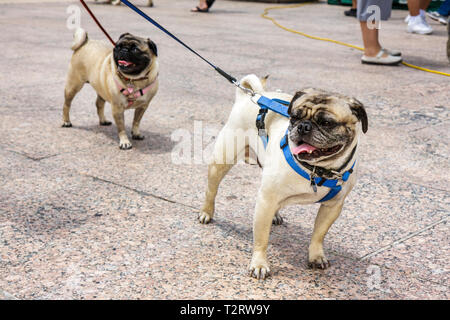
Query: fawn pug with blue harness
x=307, y=156
x=126, y=77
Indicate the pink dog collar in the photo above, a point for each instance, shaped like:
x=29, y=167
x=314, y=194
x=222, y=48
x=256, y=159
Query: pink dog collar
x=131, y=93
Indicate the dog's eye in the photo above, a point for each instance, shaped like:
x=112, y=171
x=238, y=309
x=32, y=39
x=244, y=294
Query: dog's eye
x=326, y=122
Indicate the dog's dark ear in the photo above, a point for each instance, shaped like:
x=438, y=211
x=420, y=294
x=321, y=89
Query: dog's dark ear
x=152, y=47
x=297, y=95
x=264, y=81
x=123, y=35
x=358, y=110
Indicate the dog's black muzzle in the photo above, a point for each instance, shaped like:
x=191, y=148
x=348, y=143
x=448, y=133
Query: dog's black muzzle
x=304, y=127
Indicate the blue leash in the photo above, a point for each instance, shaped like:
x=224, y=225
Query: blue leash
x=156, y=24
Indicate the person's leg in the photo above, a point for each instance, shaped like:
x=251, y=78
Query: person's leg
x=414, y=7
x=203, y=6
x=373, y=51
x=370, y=39
x=417, y=22
x=417, y=7
x=352, y=11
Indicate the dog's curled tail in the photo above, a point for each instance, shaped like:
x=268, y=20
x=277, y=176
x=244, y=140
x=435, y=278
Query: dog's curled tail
x=80, y=37
x=252, y=82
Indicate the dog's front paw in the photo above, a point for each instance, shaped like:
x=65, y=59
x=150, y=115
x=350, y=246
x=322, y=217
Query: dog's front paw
x=259, y=269
x=105, y=123
x=317, y=258
x=319, y=262
x=137, y=136
x=125, y=145
x=66, y=124
x=277, y=220
x=204, y=218
x=116, y=2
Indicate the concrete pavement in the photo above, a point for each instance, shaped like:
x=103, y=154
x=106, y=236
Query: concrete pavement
x=81, y=219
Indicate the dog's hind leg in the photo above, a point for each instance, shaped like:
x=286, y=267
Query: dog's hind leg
x=216, y=172
x=100, y=104
x=278, y=219
x=226, y=152
x=73, y=86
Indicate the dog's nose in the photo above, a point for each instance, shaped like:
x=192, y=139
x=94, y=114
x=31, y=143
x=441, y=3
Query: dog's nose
x=304, y=127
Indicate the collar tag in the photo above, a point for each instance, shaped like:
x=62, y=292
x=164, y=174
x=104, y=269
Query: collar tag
x=313, y=184
x=313, y=180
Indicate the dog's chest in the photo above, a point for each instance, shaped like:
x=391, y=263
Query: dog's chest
x=305, y=195
x=132, y=98
x=301, y=192
x=134, y=103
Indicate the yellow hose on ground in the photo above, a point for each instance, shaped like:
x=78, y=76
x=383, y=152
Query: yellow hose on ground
x=265, y=16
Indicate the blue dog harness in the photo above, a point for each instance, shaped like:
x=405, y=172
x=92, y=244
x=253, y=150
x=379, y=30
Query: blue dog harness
x=281, y=107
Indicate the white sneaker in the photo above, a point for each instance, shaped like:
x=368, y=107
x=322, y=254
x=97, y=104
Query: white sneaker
x=419, y=25
x=437, y=17
x=425, y=22
x=408, y=17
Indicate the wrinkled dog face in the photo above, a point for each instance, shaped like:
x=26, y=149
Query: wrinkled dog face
x=133, y=55
x=323, y=124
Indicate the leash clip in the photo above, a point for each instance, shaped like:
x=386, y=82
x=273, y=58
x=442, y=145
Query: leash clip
x=248, y=91
x=254, y=97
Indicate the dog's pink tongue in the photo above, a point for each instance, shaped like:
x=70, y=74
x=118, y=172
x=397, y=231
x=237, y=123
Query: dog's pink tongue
x=125, y=63
x=303, y=148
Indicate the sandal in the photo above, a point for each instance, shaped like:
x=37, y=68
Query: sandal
x=392, y=52
x=209, y=4
x=389, y=60
x=198, y=9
